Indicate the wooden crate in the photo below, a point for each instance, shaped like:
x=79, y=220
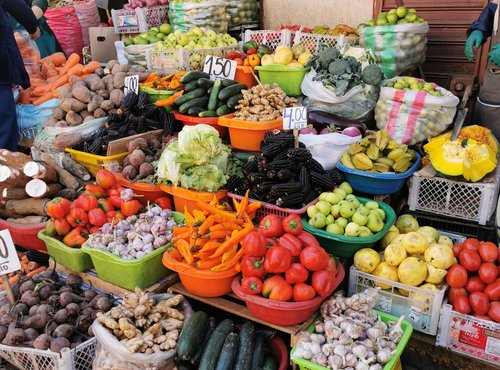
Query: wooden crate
x=120, y=145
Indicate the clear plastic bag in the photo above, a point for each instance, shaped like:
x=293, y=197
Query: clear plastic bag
x=29, y=51
x=136, y=54
x=207, y=15
x=242, y=12
x=411, y=117
x=30, y=118
x=400, y=48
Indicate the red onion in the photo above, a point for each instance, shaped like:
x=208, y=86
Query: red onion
x=309, y=130
x=328, y=130
x=351, y=131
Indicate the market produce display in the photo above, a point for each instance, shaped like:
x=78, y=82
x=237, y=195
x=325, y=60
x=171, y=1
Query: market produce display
x=474, y=283
x=298, y=56
x=378, y=153
x=350, y=334
x=140, y=164
x=340, y=212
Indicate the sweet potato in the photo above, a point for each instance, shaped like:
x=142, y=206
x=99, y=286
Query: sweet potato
x=94, y=83
x=95, y=103
x=116, y=96
x=108, y=82
x=107, y=105
x=64, y=92
x=73, y=80
x=110, y=65
x=104, y=93
x=81, y=93
x=73, y=119
x=58, y=114
x=99, y=113
x=119, y=80
x=119, y=68
x=72, y=104
x=85, y=113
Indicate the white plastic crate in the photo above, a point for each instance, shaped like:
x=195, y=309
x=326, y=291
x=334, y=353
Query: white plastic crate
x=457, y=199
x=269, y=38
x=468, y=335
x=184, y=59
x=314, y=42
x=79, y=358
x=140, y=19
x=420, y=308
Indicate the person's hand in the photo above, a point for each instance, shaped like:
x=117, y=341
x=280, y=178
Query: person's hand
x=35, y=36
x=494, y=55
x=474, y=41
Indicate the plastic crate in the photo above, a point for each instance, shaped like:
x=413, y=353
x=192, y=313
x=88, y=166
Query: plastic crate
x=455, y=238
x=93, y=162
x=314, y=42
x=269, y=38
x=469, y=335
x=184, y=59
x=72, y=258
x=457, y=199
x=140, y=19
x=420, y=308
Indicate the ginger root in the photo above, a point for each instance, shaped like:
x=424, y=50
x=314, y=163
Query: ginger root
x=107, y=321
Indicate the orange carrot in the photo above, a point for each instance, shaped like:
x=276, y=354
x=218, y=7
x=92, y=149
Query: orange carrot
x=91, y=67
x=14, y=280
x=208, y=263
x=46, y=66
x=72, y=61
x=44, y=98
x=51, y=80
x=36, y=271
x=234, y=239
x=57, y=58
x=52, y=73
x=76, y=70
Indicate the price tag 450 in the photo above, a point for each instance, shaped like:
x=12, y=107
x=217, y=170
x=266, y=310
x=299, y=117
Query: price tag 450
x=294, y=118
x=218, y=67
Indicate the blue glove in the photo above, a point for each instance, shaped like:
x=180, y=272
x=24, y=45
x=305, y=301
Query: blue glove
x=474, y=41
x=494, y=54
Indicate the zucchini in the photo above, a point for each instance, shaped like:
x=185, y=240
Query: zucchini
x=269, y=363
x=223, y=110
x=205, y=83
x=207, y=113
x=245, y=351
x=193, y=85
x=192, y=76
x=258, y=352
x=228, y=353
x=190, y=338
x=212, y=324
x=198, y=102
x=227, y=82
x=214, y=345
x=234, y=100
x=194, y=111
x=229, y=91
x=212, y=100
x=198, y=93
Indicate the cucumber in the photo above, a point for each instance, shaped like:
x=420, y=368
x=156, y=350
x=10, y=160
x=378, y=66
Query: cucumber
x=193, y=85
x=214, y=345
x=227, y=82
x=212, y=324
x=245, y=351
x=267, y=333
x=228, y=353
x=194, y=111
x=234, y=100
x=190, y=338
x=198, y=93
x=207, y=113
x=198, y=102
x=258, y=352
x=192, y=76
x=212, y=100
x=205, y=83
x=223, y=110
x=269, y=363
x=229, y=91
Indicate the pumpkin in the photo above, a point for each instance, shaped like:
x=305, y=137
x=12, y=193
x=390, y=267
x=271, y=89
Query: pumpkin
x=479, y=160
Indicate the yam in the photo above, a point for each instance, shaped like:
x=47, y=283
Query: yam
x=73, y=119
x=71, y=104
x=58, y=114
x=81, y=93
x=108, y=82
x=85, y=113
x=99, y=113
x=119, y=80
x=64, y=92
x=107, y=105
x=116, y=96
x=95, y=103
x=119, y=68
x=104, y=93
x=94, y=83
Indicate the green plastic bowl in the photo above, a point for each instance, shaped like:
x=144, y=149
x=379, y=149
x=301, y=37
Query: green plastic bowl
x=407, y=331
x=72, y=258
x=288, y=78
x=347, y=246
x=155, y=95
x=129, y=274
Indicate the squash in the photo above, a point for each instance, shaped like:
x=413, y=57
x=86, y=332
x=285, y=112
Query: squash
x=447, y=158
x=479, y=160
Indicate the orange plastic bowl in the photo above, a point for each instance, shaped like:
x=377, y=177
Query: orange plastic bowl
x=244, y=75
x=188, y=198
x=200, y=282
x=147, y=192
x=193, y=121
x=283, y=313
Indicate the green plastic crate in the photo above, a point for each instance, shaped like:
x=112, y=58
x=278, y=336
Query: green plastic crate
x=288, y=78
x=72, y=258
x=347, y=246
x=407, y=330
x=155, y=95
x=129, y=274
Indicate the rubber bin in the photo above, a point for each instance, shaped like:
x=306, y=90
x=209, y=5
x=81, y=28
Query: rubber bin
x=25, y=236
x=188, y=198
x=193, y=121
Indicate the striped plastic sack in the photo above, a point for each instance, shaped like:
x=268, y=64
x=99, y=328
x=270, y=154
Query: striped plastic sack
x=207, y=15
x=410, y=117
x=88, y=15
x=399, y=48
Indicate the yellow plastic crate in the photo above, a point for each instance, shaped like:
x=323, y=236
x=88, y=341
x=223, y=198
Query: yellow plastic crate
x=93, y=163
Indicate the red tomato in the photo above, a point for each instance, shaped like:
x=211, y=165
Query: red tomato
x=494, y=311
x=471, y=244
x=462, y=304
x=488, y=252
x=455, y=292
x=470, y=260
x=483, y=317
x=457, y=276
x=474, y=284
x=457, y=248
x=303, y=292
x=493, y=290
x=479, y=302
x=488, y=272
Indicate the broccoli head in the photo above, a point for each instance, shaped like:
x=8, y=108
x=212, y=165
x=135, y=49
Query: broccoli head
x=339, y=67
x=328, y=55
x=372, y=74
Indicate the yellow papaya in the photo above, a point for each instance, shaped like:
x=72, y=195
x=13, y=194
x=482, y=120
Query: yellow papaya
x=479, y=160
x=447, y=158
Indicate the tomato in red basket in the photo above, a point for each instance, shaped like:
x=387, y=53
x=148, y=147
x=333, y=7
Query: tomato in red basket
x=470, y=260
x=488, y=252
x=322, y=282
x=456, y=276
x=488, y=272
x=252, y=266
x=277, y=260
x=474, y=284
x=479, y=303
x=270, y=225
x=270, y=242
x=461, y=304
x=254, y=244
x=494, y=311
x=296, y=274
x=291, y=243
x=277, y=288
x=303, y=292
x=292, y=224
x=333, y=265
x=314, y=258
x=471, y=244
x=251, y=285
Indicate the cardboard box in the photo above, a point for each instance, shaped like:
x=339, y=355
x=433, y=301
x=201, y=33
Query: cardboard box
x=102, y=43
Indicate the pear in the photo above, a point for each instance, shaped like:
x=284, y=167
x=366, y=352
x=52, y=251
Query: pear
x=375, y=223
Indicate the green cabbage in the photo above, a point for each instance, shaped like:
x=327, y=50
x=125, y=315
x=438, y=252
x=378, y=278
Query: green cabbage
x=203, y=178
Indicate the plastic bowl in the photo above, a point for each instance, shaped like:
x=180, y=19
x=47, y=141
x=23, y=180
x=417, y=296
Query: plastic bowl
x=378, y=183
x=201, y=282
x=147, y=192
x=288, y=78
x=280, y=352
x=347, y=246
x=188, y=198
x=72, y=258
x=283, y=313
x=25, y=235
x=246, y=135
x=155, y=95
x=193, y=121
x=244, y=75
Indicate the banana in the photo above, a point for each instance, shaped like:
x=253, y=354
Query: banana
x=396, y=154
x=373, y=152
x=362, y=162
x=346, y=160
x=401, y=165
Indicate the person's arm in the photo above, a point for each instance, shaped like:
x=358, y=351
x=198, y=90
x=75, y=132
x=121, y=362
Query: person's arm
x=485, y=21
x=23, y=14
x=39, y=7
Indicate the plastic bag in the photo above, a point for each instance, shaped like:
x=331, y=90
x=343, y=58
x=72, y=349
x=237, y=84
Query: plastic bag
x=400, y=48
x=242, y=12
x=66, y=27
x=30, y=118
x=328, y=148
x=88, y=15
x=29, y=51
x=111, y=354
x=136, y=54
x=207, y=15
x=411, y=117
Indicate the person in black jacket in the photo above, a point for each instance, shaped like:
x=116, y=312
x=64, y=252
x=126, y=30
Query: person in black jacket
x=12, y=71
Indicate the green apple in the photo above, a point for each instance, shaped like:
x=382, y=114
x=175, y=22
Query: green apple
x=392, y=11
x=332, y=198
x=171, y=37
x=359, y=218
x=140, y=41
x=154, y=29
x=371, y=204
x=415, y=87
x=381, y=22
x=428, y=86
x=352, y=229
x=128, y=41
x=364, y=232
x=322, y=196
x=335, y=229
x=342, y=222
x=311, y=211
x=212, y=36
x=340, y=192
x=347, y=210
x=166, y=29
x=329, y=219
x=346, y=187
x=411, y=80
x=161, y=35
x=177, y=33
x=401, y=11
x=399, y=86
x=183, y=40
x=355, y=203
x=335, y=210
x=363, y=210
x=402, y=21
x=371, y=22
x=381, y=213
x=144, y=35
x=318, y=220
x=197, y=31
x=324, y=207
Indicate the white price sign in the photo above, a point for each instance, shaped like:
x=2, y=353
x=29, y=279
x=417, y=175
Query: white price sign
x=9, y=260
x=218, y=67
x=294, y=118
x=131, y=84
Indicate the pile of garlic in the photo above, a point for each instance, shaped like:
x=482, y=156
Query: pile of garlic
x=350, y=335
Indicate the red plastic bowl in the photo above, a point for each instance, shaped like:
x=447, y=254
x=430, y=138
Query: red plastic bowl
x=280, y=352
x=25, y=236
x=193, y=121
x=283, y=313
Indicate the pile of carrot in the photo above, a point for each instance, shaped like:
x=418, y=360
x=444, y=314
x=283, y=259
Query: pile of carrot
x=53, y=72
x=210, y=239
x=28, y=268
x=167, y=82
